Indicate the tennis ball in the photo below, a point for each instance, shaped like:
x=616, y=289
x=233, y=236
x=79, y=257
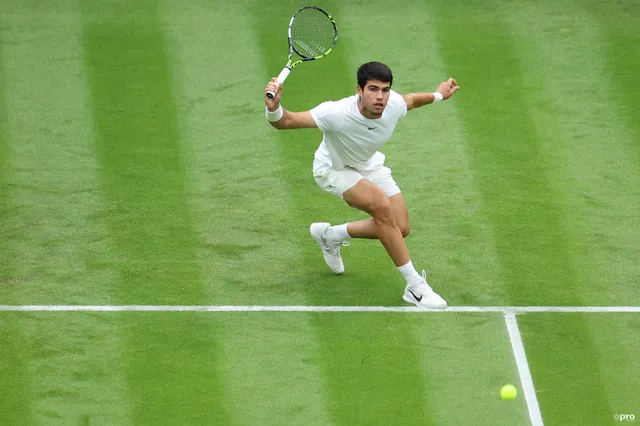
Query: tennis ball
x=508, y=392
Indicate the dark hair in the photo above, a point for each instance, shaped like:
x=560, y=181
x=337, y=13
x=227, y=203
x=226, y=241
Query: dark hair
x=374, y=71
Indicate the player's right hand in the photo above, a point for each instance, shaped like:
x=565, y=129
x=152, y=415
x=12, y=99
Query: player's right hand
x=273, y=86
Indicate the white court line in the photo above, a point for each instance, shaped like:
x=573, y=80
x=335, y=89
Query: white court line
x=523, y=369
x=292, y=308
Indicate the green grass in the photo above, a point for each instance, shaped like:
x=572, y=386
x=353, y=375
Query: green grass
x=269, y=369
x=582, y=377
x=136, y=167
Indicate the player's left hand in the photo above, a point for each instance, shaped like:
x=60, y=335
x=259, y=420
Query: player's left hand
x=448, y=88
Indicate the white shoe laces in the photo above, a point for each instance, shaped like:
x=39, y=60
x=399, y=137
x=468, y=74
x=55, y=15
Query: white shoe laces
x=331, y=247
x=336, y=250
x=424, y=278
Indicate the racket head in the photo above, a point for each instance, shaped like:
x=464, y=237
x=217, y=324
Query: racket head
x=313, y=33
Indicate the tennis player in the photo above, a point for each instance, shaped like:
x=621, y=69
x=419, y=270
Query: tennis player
x=348, y=165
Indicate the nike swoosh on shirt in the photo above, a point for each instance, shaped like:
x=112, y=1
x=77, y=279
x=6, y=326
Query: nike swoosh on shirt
x=371, y=128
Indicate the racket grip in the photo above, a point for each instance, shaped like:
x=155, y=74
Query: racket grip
x=280, y=79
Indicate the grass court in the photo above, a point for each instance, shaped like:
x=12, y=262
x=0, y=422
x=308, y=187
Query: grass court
x=139, y=180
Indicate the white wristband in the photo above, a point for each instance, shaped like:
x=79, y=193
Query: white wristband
x=274, y=115
x=437, y=97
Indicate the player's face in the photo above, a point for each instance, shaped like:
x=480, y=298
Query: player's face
x=374, y=98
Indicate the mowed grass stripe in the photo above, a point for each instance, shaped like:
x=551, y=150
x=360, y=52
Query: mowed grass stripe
x=619, y=21
x=619, y=25
x=597, y=177
x=238, y=190
x=241, y=200
x=514, y=172
x=467, y=359
x=137, y=144
x=272, y=364
x=554, y=348
x=74, y=363
x=15, y=406
x=52, y=169
x=8, y=220
x=507, y=158
x=51, y=189
x=618, y=338
x=373, y=397
x=143, y=180
x=591, y=147
x=5, y=159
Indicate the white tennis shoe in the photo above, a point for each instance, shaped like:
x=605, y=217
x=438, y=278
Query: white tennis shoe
x=330, y=249
x=422, y=295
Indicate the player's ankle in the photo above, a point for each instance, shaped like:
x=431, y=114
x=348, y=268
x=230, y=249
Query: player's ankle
x=409, y=273
x=338, y=233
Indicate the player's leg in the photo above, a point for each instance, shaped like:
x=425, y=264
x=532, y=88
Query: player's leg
x=401, y=213
x=340, y=182
x=394, y=212
x=369, y=197
x=335, y=182
x=366, y=228
x=389, y=223
x=383, y=178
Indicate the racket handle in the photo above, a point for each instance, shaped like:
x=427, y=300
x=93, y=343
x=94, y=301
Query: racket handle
x=280, y=79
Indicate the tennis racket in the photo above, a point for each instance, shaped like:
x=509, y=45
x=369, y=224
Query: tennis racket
x=312, y=35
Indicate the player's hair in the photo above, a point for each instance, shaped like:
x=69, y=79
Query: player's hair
x=374, y=71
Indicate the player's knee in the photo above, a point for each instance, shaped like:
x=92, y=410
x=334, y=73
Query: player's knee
x=405, y=229
x=381, y=209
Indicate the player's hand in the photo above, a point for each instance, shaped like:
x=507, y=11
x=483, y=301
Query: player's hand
x=448, y=88
x=273, y=86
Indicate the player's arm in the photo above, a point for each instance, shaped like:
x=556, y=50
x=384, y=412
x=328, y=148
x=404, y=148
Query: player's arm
x=282, y=119
x=445, y=90
x=294, y=120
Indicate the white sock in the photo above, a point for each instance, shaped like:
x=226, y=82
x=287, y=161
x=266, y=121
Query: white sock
x=338, y=233
x=409, y=273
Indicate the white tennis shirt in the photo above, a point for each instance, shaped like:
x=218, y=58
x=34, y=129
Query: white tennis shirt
x=349, y=138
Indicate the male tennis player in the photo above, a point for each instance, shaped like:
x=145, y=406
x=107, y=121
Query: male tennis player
x=347, y=164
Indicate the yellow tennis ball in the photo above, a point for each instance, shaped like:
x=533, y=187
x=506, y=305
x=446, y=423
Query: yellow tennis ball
x=508, y=392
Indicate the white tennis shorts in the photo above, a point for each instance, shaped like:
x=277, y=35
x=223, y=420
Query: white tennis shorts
x=337, y=182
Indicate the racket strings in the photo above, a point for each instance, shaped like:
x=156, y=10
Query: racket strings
x=312, y=33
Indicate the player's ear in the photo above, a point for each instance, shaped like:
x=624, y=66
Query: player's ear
x=359, y=91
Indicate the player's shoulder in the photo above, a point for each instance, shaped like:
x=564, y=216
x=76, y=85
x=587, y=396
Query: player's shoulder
x=335, y=106
x=395, y=97
x=342, y=103
x=330, y=115
x=397, y=102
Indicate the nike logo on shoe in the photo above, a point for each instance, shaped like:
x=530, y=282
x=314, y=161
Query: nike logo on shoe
x=419, y=299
